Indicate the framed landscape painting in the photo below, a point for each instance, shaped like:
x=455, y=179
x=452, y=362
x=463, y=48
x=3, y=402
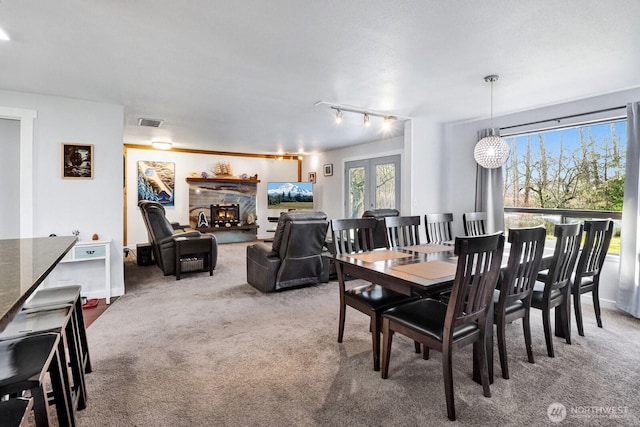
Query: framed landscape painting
x=77, y=161
x=156, y=182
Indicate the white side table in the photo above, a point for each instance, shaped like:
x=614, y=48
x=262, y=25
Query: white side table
x=93, y=250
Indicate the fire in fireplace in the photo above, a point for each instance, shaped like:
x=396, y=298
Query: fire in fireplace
x=225, y=214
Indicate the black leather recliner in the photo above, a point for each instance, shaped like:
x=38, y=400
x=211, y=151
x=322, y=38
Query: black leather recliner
x=162, y=233
x=380, y=232
x=297, y=256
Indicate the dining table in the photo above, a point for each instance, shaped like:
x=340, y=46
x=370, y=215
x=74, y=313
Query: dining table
x=425, y=269
x=24, y=265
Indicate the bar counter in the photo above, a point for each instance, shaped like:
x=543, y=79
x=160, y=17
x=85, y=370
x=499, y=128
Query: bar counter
x=24, y=264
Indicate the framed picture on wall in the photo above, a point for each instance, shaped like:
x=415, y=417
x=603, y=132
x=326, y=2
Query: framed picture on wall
x=156, y=181
x=312, y=177
x=328, y=169
x=77, y=161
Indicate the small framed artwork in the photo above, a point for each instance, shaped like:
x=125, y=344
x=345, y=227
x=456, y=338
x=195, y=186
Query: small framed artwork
x=328, y=169
x=77, y=160
x=312, y=177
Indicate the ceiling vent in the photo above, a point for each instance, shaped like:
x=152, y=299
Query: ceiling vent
x=152, y=123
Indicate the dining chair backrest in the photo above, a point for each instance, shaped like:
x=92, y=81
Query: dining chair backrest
x=402, y=231
x=438, y=227
x=474, y=223
x=525, y=256
x=594, y=251
x=353, y=235
x=568, y=238
x=479, y=261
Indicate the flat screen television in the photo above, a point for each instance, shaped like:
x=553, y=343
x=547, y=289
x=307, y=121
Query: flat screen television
x=289, y=195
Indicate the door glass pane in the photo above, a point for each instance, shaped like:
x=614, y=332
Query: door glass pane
x=385, y=186
x=356, y=192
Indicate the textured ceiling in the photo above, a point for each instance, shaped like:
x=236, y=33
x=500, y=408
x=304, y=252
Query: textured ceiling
x=244, y=75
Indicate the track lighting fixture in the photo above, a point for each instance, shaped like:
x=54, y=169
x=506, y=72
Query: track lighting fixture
x=367, y=114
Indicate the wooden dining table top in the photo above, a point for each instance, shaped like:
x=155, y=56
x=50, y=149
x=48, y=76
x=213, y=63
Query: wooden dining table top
x=422, y=266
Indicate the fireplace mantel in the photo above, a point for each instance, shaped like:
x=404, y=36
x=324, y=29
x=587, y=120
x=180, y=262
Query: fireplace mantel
x=221, y=179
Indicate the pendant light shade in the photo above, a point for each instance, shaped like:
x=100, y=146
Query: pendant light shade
x=492, y=151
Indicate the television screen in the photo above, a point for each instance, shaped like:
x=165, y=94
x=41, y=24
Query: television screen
x=290, y=195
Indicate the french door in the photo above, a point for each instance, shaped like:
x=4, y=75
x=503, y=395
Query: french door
x=372, y=184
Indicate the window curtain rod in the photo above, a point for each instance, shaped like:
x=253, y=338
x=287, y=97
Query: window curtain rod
x=557, y=119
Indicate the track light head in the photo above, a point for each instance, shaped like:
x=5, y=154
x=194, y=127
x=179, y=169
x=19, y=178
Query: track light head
x=367, y=121
x=338, y=117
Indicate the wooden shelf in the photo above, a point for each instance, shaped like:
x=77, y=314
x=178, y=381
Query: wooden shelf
x=219, y=179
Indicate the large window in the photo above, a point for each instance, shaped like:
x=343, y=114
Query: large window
x=566, y=174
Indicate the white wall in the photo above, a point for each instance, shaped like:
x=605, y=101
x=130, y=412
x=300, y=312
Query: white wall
x=9, y=184
x=62, y=205
x=267, y=170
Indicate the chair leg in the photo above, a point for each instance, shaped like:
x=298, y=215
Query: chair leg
x=565, y=317
x=425, y=352
x=375, y=337
x=577, y=308
x=40, y=411
x=82, y=332
x=526, y=326
x=61, y=388
x=416, y=344
x=484, y=365
x=596, y=303
x=343, y=308
x=546, y=323
x=447, y=371
x=502, y=348
x=387, y=338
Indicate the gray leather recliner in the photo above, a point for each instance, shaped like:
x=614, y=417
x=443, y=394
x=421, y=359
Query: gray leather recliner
x=297, y=256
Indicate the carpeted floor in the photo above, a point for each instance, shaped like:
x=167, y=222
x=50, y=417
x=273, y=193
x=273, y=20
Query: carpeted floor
x=213, y=351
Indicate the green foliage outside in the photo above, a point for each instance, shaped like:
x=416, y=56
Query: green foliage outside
x=578, y=168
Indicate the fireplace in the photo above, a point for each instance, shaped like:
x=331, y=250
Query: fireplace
x=221, y=215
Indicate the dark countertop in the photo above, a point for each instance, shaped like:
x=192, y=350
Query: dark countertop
x=24, y=264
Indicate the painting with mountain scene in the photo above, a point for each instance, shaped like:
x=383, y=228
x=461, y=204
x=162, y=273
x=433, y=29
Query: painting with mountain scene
x=156, y=182
x=290, y=195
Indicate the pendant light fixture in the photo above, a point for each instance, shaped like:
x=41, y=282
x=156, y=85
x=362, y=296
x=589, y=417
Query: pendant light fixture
x=492, y=151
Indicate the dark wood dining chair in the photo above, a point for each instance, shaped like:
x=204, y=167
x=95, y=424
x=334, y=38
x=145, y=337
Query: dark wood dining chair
x=438, y=227
x=353, y=236
x=402, y=231
x=553, y=286
x=590, y=262
x=474, y=223
x=462, y=321
x=513, y=299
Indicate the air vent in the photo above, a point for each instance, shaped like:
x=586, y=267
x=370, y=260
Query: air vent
x=152, y=123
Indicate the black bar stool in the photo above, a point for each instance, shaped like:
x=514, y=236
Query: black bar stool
x=14, y=412
x=64, y=295
x=28, y=360
x=60, y=321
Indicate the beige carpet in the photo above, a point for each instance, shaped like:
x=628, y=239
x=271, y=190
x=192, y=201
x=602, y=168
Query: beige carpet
x=213, y=351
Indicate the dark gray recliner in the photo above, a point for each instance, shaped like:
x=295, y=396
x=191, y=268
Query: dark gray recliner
x=380, y=232
x=297, y=256
x=162, y=233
